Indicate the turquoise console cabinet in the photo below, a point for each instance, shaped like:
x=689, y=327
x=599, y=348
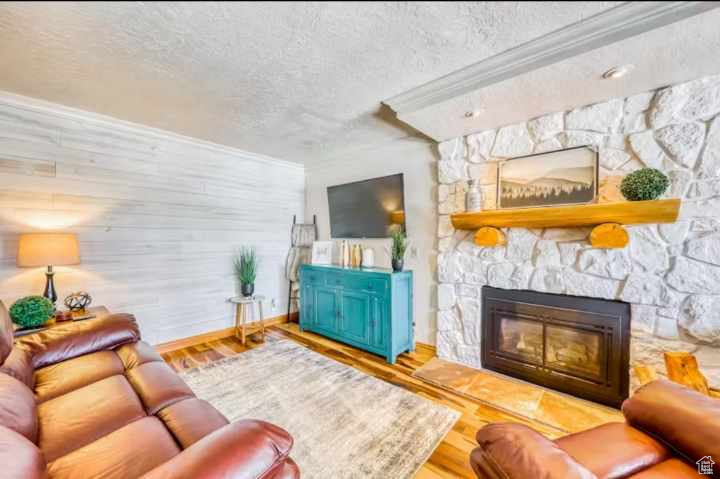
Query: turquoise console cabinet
x=369, y=308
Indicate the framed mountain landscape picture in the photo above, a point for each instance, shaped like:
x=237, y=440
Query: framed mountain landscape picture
x=563, y=177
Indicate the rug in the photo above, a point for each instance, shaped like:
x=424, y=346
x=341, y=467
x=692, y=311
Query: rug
x=564, y=413
x=345, y=423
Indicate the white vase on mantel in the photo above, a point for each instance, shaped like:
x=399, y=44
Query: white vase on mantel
x=473, y=197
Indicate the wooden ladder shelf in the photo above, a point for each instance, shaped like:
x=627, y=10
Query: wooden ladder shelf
x=606, y=218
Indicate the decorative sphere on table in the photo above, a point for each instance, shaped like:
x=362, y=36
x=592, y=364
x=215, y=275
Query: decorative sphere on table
x=78, y=301
x=31, y=311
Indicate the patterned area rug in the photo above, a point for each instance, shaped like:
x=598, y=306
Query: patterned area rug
x=346, y=424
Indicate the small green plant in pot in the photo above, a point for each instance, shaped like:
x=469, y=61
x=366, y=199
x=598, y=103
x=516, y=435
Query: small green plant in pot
x=246, y=265
x=644, y=184
x=31, y=311
x=399, y=245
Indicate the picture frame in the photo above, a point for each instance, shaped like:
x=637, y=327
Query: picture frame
x=554, y=178
x=322, y=252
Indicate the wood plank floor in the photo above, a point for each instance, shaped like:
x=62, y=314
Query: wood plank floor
x=450, y=459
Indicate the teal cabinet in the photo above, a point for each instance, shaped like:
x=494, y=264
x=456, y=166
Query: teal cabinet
x=370, y=308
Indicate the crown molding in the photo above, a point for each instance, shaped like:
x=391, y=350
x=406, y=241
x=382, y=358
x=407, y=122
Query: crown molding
x=610, y=26
x=90, y=119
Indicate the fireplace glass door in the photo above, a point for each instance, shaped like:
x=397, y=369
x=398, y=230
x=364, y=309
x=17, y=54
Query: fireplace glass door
x=560, y=348
x=574, y=351
x=522, y=338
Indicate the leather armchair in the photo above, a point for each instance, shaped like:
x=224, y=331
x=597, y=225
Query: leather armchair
x=225, y=453
x=668, y=428
x=90, y=399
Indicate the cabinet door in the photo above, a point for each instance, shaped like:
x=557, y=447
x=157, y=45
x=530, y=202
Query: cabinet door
x=326, y=309
x=307, y=306
x=379, y=323
x=355, y=316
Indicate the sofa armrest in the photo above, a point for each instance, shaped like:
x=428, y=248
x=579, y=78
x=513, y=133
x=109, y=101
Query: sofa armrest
x=78, y=338
x=246, y=449
x=514, y=451
x=685, y=420
x=20, y=457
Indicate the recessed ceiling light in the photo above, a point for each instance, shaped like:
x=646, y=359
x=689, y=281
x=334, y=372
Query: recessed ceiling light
x=472, y=114
x=618, y=72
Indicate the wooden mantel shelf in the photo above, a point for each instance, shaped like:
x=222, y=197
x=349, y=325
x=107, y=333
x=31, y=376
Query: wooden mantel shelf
x=607, y=219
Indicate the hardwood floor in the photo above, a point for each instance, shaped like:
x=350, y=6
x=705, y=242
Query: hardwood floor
x=450, y=459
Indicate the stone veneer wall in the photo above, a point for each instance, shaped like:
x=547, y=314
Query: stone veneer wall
x=669, y=273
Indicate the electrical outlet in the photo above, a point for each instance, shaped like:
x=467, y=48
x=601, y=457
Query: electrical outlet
x=273, y=304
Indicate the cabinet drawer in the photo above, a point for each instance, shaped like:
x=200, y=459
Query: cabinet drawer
x=335, y=280
x=366, y=284
x=313, y=277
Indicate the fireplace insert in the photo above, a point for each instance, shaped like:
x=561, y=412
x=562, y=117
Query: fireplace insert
x=573, y=344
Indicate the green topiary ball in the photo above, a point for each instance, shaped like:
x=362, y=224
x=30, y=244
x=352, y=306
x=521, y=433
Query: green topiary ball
x=644, y=184
x=31, y=311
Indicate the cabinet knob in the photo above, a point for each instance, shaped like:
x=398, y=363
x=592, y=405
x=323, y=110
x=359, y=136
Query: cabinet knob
x=370, y=286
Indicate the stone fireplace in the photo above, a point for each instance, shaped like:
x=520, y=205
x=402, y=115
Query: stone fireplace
x=669, y=274
x=575, y=345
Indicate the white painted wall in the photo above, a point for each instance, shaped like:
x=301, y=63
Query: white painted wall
x=417, y=160
x=158, y=216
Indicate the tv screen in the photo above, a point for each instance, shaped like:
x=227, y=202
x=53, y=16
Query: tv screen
x=367, y=209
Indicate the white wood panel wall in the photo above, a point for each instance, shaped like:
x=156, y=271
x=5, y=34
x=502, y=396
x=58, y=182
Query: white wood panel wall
x=158, y=216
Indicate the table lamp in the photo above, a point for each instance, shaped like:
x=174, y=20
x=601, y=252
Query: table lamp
x=48, y=249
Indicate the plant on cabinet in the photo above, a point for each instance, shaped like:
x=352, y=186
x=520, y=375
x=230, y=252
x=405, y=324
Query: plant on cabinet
x=399, y=245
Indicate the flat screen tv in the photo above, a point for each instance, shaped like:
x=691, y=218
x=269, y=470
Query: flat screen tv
x=367, y=209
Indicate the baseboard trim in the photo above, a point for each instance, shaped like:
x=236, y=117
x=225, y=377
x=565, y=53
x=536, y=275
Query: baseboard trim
x=430, y=348
x=170, y=346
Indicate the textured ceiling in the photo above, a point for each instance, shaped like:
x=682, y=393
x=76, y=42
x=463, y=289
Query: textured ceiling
x=681, y=51
x=292, y=80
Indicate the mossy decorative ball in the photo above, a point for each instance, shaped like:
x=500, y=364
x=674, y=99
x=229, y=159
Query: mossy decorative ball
x=31, y=311
x=644, y=184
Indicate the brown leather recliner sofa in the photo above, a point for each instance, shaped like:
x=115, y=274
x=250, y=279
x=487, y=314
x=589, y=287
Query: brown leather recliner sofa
x=668, y=429
x=90, y=399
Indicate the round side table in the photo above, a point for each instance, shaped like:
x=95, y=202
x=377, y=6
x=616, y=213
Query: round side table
x=244, y=306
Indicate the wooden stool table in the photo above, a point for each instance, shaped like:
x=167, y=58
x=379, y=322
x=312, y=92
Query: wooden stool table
x=242, y=304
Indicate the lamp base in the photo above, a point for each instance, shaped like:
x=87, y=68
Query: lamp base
x=50, y=285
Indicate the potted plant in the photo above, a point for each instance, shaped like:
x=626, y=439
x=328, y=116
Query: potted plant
x=246, y=264
x=644, y=184
x=399, y=245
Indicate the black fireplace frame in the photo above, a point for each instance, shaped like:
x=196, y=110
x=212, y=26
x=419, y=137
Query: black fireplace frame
x=609, y=318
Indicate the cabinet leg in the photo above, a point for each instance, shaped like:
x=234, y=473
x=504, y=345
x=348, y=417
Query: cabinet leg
x=391, y=358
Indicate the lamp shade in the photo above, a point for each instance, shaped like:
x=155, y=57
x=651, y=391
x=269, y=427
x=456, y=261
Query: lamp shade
x=45, y=249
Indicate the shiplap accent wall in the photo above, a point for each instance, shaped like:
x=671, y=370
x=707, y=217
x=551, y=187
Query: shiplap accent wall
x=158, y=216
